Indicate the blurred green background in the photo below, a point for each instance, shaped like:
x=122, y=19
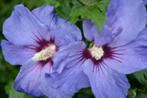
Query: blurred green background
x=74, y=11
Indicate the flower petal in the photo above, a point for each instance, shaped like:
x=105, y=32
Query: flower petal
x=145, y=2
x=29, y=80
x=22, y=27
x=65, y=71
x=47, y=68
x=105, y=82
x=47, y=87
x=68, y=56
x=69, y=29
x=132, y=57
x=45, y=15
x=68, y=82
x=122, y=13
x=53, y=92
x=92, y=34
x=90, y=30
x=16, y=55
x=104, y=38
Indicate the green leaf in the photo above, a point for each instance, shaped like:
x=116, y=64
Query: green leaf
x=96, y=13
x=97, y=17
x=54, y=3
x=132, y=93
x=89, y=2
x=76, y=14
x=142, y=96
x=102, y=5
x=141, y=76
x=84, y=12
x=84, y=93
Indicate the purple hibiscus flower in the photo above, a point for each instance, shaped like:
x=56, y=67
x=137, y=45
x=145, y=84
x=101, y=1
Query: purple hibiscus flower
x=33, y=39
x=118, y=50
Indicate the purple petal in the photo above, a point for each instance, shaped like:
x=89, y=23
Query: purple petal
x=29, y=80
x=47, y=85
x=105, y=82
x=68, y=82
x=22, y=27
x=104, y=38
x=132, y=57
x=126, y=19
x=16, y=55
x=54, y=93
x=33, y=81
x=45, y=14
x=145, y=2
x=92, y=34
x=68, y=56
x=90, y=30
x=64, y=80
x=47, y=68
x=142, y=38
x=66, y=29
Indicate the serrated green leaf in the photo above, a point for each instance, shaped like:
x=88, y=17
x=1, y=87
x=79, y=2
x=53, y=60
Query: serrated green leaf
x=95, y=13
x=103, y=4
x=64, y=9
x=85, y=12
x=141, y=76
x=76, y=13
x=97, y=17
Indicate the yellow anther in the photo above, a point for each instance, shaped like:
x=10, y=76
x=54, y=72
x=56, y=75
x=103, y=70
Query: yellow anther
x=45, y=53
x=96, y=52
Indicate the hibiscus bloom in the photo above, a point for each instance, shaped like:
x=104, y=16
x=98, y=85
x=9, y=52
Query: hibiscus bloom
x=118, y=50
x=33, y=38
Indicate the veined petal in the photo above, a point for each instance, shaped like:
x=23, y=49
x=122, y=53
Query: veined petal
x=92, y=34
x=46, y=16
x=53, y=92
x=105, y=37
x=29, y=80
x=68, y=56
x=90, y=30
x=122, y=13
x=142, y=38
x=66, y=83
x=22, y=27
x=33, y=80
x=65, y=32
x=16, y=55
x=47, y=87
x=105, y=82
x=131, y=57
x=47, y=68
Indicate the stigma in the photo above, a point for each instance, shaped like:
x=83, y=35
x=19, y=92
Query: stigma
x=45, y=53
x=96, y=52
